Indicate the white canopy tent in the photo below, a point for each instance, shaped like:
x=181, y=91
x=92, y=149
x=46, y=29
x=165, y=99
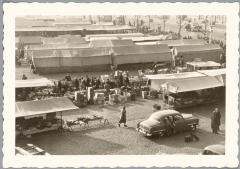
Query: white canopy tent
x=42, y=82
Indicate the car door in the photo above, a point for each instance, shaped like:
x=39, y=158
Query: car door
x=179, y=123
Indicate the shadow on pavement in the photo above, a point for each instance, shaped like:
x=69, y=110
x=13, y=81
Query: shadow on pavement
x=72, y=143
x=205, y=138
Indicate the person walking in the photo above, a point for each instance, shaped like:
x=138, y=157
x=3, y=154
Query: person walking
x=214, y=122
x=123, y=117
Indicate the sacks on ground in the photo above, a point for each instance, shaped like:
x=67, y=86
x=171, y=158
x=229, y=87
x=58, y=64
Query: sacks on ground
x=153, y=93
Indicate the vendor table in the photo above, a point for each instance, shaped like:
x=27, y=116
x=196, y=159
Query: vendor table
x=85, y=122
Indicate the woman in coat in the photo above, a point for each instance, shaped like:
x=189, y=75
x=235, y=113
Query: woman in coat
x=123, y=117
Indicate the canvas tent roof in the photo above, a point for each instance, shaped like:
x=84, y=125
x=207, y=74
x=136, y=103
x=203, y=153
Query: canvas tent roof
x=102, y=38
x=88, y=37
x=194, y=48
x=58, y=46
x=75, y=28
x=75, y=39
x=182, y=42
x=148, y=38
x=64, y=40
x=30, y=108
x=141, y=49
x=204, y=64
x=111, y=43
x=213, y=72
x=55, y=40
x=43, y=53
x=30, y=40
x=193, y=84
x=33, y=83
x=84, y=52
x=175, y=76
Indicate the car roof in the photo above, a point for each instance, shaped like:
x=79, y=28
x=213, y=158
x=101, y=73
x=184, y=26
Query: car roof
x=162, y=113
x=216, y=148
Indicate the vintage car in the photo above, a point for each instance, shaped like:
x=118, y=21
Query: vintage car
x=216, y=149
x=30, y=149
x=167, y=122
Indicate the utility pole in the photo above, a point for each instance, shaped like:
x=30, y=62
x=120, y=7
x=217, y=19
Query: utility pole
x=149, y=22
x=211, y=30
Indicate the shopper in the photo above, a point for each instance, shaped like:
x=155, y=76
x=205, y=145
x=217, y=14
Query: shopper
x=123, y=117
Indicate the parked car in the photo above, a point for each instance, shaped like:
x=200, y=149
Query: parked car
x=167, y=122
x=30, y=149
x=216, y=149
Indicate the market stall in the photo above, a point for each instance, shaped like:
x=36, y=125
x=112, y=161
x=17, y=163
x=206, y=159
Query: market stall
x=29, y=83
x=32, y=89
x=200, y=65
x=192, y=91
x=207, y=52
x=138, y=56
x=41, y=115
x=159, y=79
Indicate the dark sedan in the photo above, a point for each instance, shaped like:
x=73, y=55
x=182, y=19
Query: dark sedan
x=167, y=122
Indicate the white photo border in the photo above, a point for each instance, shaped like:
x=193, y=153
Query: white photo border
x=230, y=159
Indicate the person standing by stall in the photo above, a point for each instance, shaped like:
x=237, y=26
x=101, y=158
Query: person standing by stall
x=120, y=80
x=123, y=118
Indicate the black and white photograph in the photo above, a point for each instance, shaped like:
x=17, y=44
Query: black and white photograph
x=109, y=84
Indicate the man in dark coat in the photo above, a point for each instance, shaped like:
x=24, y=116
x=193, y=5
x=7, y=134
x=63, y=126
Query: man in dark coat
x=218, y=117
x=88, y=81
x=127, y=81
x=120, y=80
x=98, y=83
x=59, y=86
x=123, y=118
x=214, y=123
x=76, y=83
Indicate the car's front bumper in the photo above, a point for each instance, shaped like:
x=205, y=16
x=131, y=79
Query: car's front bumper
x=144, y=132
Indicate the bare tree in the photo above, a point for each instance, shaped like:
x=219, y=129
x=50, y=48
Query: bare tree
x=164, y=19
x=181, y=22
x=206, y=23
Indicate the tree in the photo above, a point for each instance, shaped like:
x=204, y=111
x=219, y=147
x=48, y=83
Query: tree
x=164, y=19
x=181, y=22
x=206, y=23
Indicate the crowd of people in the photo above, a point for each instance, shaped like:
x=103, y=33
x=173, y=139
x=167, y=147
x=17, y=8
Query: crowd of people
x=83, y=83
x=69, y=85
